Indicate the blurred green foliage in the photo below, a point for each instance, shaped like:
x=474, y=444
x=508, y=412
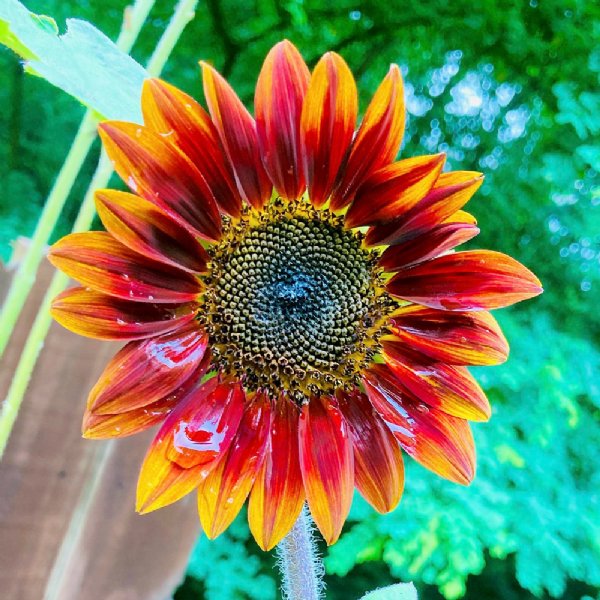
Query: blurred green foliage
x=509, y=88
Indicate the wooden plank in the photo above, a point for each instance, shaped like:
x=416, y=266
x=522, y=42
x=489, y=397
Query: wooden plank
x=67, y=521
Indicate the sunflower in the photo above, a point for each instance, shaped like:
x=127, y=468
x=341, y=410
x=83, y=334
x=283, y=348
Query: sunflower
x=294, y=312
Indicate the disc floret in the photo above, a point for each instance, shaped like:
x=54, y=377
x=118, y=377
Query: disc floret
x=293, y=300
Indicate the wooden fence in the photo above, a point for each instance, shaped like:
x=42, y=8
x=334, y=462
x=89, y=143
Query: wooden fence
x=68, y=527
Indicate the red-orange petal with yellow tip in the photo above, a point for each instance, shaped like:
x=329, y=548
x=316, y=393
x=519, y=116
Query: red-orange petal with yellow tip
x=222, y=494
x=327, y=124
x=237, y=131
x=277, y=495
x=466, y=338
x=184, y=123
x=98, y=261
x=327, y=464
x=449, y=388
x=144, y=371
x=393, y=190
x=100, y=426
x=102, y=317
x=378, y=465
x=144, y=228
x=438, y=441
x=104, y=427
x=472, y=280
x=377, y=141
x=461, y=216
x=192, y=440
x=156, y=170
x=450, y=193
x=415, y=250
x=280, y=91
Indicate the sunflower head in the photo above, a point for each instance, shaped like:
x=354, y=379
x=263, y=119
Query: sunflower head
x=294, y=310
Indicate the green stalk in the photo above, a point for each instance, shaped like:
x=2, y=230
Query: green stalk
x=25, y=276
x=182, y=15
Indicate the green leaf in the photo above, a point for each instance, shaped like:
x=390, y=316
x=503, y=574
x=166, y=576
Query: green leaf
x=400, y=591
x=83, y=62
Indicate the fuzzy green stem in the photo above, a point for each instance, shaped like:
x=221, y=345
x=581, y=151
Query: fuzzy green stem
x=10, y=408
x=24, y=278
x=299, y=562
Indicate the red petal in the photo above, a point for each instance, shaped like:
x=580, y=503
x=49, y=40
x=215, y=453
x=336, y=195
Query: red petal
x=101, y=317
x=466, y=338
x=278, y=492
x=237, y=131
x=184, y=123
x=438, y=441
x=98, y=261
x=278, y=101
x=222, y=494
x=446, y=387
x=377, y=141
x=99, y=426
x=440, y=239
x=378, y=466
x=103, y=427
x=156, y=170
x=393, y=190
x=327, y=124
x=144, y=371
x=450, y=193
x=473, y=280
x=189, y=444
x=327, y=465
x=141, y=226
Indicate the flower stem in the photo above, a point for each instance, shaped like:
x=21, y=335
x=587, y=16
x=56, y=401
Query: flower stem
x=182, y=15
x=299, y=562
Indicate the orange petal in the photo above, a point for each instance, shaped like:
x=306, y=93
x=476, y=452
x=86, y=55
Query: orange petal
x=461, y=216
x=393, y=190
x=446, y=387
x=146, y=370
x=327, y=464
x=466, y=338
x=156, y=170
x=280, y=91
x=189, y=444
x=327, y=124
x=415, y=250
x=102, y=317
x=278, y=492
x=141, y=226
x=377, y=141
x=237, y=131
x=100, y=426
x=100, y=262
x=440, y=442
x=184, y=123
x=378, y=465
x=222, y=494
x=103, y=427
x=473, y=280
x=450, y=192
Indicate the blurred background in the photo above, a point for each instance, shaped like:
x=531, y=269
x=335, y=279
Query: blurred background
x=506, y=88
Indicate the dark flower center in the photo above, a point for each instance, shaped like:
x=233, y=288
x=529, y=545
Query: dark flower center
x=290, y=301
